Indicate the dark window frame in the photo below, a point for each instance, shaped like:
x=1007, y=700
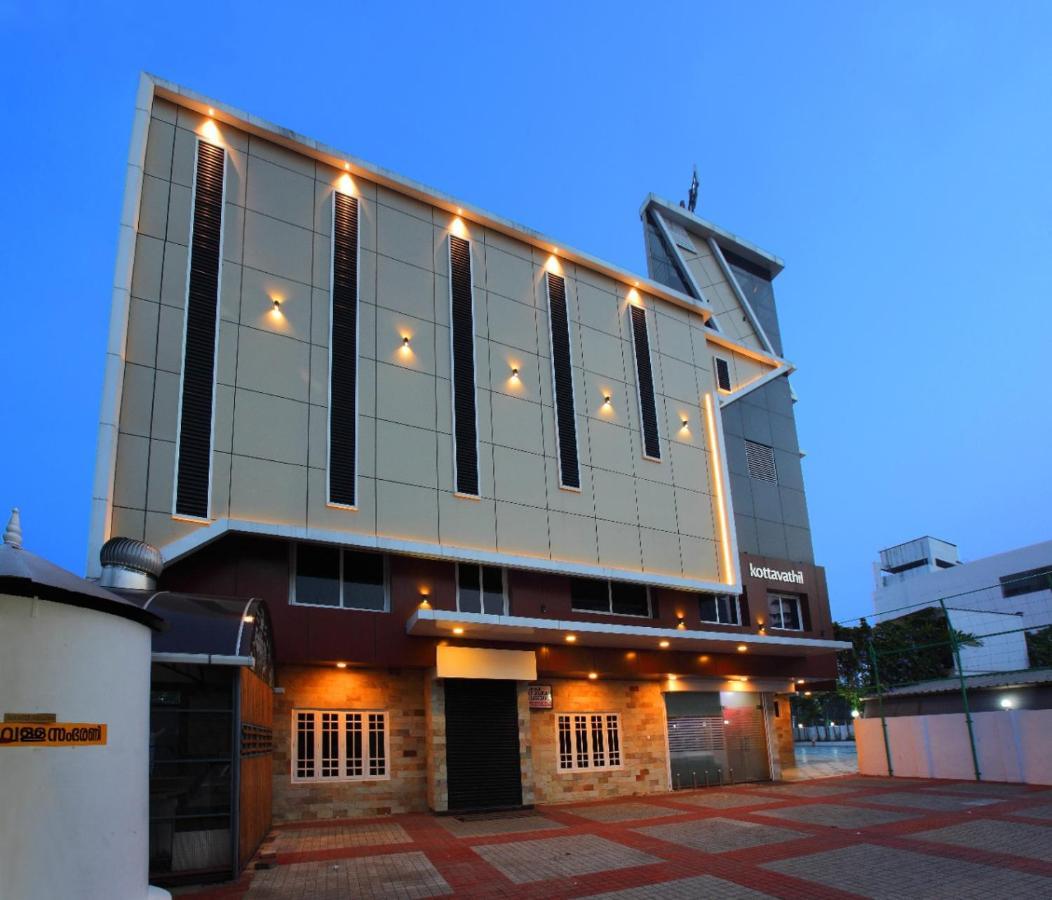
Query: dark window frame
x=782, y=597
x=342, y=552
x=609, y=608
x=480, y=568
x=716, y=598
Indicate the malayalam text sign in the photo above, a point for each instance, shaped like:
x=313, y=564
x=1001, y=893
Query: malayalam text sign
x=52, y=734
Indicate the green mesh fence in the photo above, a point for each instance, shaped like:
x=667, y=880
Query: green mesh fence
x=961, y=641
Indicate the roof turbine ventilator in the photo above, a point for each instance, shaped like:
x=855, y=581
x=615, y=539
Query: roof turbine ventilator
x=130, y=564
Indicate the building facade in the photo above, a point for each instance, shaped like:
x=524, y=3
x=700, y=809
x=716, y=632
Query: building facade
x=529, y=527
x=1001, y=599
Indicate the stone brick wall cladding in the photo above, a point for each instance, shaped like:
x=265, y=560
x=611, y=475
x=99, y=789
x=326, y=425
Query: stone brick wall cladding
x=644, y=767
x=783, y=732
x=525, y=743
x=401, y=694
x=437, y=773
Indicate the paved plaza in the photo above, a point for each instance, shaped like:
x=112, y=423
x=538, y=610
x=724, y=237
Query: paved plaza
x=839, y=837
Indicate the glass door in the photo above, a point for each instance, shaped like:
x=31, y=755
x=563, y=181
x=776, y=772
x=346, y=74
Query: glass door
x=745, y=737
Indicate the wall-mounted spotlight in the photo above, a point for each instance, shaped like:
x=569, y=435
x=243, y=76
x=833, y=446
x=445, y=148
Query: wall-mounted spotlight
x=341, y=665
x=405, y=341
x=458, y=630
x=607, y=399
x=593, y=676
x=514, y=372
x=571, y=638
x=742, y=648
x=1007, y=703
x=685, y=423
x=681, y=622
x=663, y=645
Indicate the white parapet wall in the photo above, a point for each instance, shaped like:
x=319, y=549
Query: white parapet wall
x=74, y=819
x=1011, y=746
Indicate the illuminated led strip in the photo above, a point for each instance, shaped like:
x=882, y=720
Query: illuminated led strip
x=717, y=478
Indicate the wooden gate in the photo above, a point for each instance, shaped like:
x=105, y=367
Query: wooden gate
x=257, y=744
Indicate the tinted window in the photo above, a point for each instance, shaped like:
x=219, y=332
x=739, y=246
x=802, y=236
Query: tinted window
x=785, y=612
x=469, y=597
x=318, y=575
x=629, y=599
x=589, y=595
x=363, y=580
x=480, y=589
x=493, y=590
x=720, y=608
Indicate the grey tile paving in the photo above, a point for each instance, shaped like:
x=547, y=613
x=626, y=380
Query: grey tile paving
x=882, y=872
x=403, y=875
x=983, y=788
x=838, y=816
x=719, y=835
x=933, y=802
x=721, y=799
x=708, y=886
x=332, y=837
x=622, y=812
x=879, y=781
x=560, y=857
x=807, y=789
x=1012, y=838
x=487, y=827
x=1035, y=812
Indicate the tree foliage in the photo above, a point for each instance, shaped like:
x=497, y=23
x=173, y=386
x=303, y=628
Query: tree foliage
x=911, y=648
x=1039, y=647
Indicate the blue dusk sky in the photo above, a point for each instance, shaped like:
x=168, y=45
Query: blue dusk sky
x=896, y=155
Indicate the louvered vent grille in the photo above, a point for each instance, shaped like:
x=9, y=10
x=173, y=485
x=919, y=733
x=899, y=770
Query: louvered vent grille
x=462, y=321
x=761, y=462
x=645, y=383
x=343, y=383
x=565, y=414
x=723, y=374
x=193, y=473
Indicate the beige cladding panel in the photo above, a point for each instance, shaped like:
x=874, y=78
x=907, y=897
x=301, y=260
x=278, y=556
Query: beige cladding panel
x=271, y=427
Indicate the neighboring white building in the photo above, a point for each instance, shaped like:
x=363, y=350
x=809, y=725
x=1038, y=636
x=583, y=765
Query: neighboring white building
x=987, y=596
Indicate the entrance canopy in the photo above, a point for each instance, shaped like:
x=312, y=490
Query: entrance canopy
x=481, y=626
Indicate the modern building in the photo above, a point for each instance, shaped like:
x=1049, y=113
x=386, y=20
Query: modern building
x=998, y=598
x=529, y=527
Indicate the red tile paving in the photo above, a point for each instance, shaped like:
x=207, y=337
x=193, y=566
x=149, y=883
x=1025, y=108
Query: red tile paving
x=791, y=856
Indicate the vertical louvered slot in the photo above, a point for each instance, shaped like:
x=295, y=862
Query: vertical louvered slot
x=197, y=393
x=562, y=377
x=343, y=353
x=462, y=337
x=723, y=373
x=645, y=384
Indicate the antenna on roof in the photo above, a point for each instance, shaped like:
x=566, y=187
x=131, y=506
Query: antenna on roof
x=692, y=195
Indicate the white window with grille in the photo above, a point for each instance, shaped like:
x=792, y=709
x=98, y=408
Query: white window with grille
x=586, y=741
x=339, y=745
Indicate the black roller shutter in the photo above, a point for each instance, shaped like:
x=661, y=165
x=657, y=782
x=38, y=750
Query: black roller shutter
x=193, y=471
x=645, y=383
x=343, y=338
x=565, y=414
x=462, y=324
x=482, y=744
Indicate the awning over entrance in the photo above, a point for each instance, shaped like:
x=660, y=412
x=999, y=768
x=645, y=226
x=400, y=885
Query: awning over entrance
x=480, y=626
x=210, y=630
